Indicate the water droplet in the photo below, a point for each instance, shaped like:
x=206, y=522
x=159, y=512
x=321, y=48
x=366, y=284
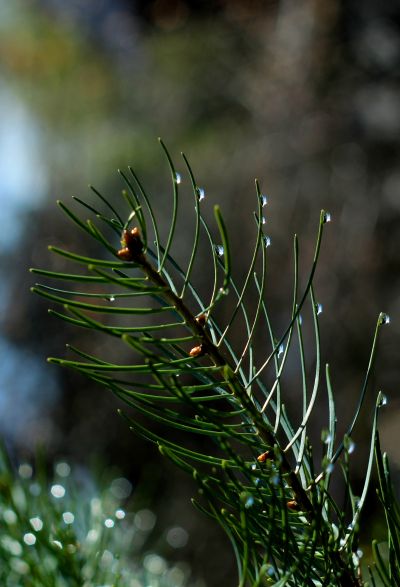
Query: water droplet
x=68, y=517
x=178, y=178
x=223, y=291
x=257, y=482
x=25, y=471
x=145, y=520
x=253, y=467
x=106, y=560
x=249, y=502
x=351, y=447
x=109, y=523
x=342, y=542
x=275, y=479
x=384, y=318
x=174, y=576
x=13, y=546
x=121, y=488
x=35, y=489
x=92, y=535
x=264, y=200
x=95, y=506
x=29, y=539
x=263, y=220
x=355, y=559
x=57, y=543
x=300, y=319
x=271, y=572
x=9, y=516
x=360, y=553
x=281, y=350
x=57, y=491
x=36, y=524
x=19, y=566
x=329, y=468
x=177, y=537
x=319, y=308
x=219, y=250
x=201, y=194
x=120, y=514
x=154, y=564
x=382, y=400
x=111, y=298
x=267, y=241
x=327, y=217
x=63, y=469
x=326, y=437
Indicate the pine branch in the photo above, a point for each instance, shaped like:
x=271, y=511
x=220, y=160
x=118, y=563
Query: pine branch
x=284, y=525
x=206, y=347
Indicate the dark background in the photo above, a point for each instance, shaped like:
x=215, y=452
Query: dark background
x=302, y=94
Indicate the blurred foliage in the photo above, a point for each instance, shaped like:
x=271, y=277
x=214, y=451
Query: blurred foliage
x=64, y=530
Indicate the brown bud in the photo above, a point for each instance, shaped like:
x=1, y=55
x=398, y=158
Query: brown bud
x=125, y=254
x=132, y=243
x=196, y=351
x=264, y=456
x=292, y=505
x=202, y=319
x=131, y=236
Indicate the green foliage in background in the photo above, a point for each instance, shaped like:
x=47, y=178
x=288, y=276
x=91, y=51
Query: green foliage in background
x=63, y=531
x=214, y=403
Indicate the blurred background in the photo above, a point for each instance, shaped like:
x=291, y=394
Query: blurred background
x=302, y=94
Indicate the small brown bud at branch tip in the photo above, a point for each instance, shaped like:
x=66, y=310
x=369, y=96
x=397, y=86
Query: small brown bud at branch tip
x=264, y=456
x=196, y=351
x=132, y=245
x=292, y=505
x=202, y=319
x=125, y=254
